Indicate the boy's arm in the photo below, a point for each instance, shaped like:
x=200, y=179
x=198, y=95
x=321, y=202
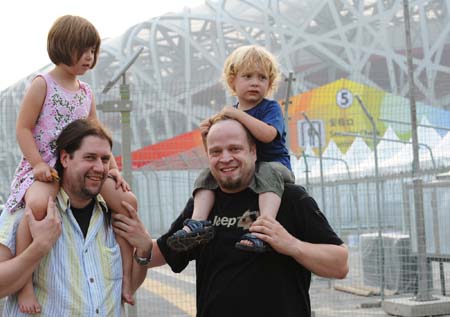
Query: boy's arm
x=262, y=131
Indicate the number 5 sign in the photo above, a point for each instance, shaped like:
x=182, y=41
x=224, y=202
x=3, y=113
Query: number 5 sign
x=344, y=98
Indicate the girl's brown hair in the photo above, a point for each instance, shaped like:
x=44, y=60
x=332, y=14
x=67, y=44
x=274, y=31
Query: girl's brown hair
x=69, y=37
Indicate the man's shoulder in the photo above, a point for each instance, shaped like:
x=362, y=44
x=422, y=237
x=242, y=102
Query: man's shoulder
x=295, y=190
x=9, y=222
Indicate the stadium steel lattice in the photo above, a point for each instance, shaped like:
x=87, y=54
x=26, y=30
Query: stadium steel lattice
x=176, y=80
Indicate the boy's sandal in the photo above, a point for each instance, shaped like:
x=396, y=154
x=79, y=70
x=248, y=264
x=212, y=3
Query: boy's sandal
x=201, y=232
x=257, y=245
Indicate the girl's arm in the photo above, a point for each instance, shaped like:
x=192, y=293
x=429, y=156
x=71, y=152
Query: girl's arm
x=262, y=131
x=28, y=114
x=93, y=111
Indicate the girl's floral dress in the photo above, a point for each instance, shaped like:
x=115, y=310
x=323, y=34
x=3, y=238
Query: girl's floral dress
x=60, y=108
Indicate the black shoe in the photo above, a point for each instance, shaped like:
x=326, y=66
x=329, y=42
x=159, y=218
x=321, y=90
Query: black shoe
x=257, y=245
x=201, y=232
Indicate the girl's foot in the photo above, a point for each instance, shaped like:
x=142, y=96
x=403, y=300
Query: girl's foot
x=28, y=303
x=127, y=297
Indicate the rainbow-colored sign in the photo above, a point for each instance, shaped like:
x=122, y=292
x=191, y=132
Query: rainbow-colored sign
x=334, y=108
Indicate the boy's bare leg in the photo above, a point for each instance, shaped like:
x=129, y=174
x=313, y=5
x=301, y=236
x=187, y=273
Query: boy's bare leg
x=203, y=203
x=269, y=203
x=36, y=198
x=114, y=198
x=197, y=230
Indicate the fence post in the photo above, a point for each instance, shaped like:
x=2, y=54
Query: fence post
x=378, y=192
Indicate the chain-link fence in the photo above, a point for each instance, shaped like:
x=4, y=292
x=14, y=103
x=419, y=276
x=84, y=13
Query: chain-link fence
x=361, y=176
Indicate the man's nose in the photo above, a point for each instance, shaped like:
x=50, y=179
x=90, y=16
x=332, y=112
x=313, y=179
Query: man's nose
x=98, y=165
x=226, y=157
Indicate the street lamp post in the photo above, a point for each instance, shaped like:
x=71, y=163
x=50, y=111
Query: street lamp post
x=124, y=106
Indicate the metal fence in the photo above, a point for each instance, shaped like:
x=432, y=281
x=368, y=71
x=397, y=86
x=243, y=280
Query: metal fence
x=333, y=148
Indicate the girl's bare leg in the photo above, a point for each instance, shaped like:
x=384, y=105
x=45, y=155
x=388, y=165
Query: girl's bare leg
x=36, y=198
x=114, y=198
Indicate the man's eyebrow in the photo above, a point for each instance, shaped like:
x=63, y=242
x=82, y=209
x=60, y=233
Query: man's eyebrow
x=96, y=154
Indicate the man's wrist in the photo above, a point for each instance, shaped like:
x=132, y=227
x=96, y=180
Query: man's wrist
x=143, y=257
x=40, y=248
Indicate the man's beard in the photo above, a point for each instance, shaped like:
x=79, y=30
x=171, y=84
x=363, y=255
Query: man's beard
x=238, y=183
x=89, y=193
x=231, y=184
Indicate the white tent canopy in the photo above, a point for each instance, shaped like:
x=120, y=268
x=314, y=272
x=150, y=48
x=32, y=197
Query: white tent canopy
x=393, y=156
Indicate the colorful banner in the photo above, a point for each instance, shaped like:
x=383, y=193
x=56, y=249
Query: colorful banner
x=334, y=108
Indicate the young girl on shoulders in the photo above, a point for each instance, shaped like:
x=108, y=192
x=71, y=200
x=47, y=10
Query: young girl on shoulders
x=52, y=101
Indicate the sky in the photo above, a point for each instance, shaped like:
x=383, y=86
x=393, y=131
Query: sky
x=24, y=25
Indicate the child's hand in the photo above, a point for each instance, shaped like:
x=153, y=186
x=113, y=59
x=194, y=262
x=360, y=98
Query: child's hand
x=204, y=127
x=230, y=112
x=44, y=173
x=120, y=181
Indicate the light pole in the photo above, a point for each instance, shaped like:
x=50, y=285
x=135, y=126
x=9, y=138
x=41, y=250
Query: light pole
x=423, y=293
x=124, y=106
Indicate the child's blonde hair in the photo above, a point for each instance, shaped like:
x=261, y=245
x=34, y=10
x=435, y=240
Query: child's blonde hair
x=250, y=58
x=69, y=37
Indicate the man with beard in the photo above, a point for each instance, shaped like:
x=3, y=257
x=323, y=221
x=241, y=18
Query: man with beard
x=82, y=273
x=231, y=282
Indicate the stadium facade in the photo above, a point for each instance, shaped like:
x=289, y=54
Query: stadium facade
x=175, y=82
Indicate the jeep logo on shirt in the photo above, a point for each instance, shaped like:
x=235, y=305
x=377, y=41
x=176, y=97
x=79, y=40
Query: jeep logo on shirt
x=243, y=221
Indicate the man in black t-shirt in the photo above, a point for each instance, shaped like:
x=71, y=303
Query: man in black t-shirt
x=231, y=282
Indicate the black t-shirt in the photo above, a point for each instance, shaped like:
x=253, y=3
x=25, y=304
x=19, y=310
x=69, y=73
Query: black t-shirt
x=83, y=216
x=231, y=282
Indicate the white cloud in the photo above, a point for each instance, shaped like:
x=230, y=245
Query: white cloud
x=24, y=25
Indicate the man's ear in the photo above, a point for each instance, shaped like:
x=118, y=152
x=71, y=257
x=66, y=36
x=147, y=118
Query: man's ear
x=63, y=158
x=253, y=151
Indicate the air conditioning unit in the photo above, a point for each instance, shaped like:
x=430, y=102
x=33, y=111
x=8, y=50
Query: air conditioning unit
x=400, y=266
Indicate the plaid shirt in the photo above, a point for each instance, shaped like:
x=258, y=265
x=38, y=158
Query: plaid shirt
x=79, y=277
